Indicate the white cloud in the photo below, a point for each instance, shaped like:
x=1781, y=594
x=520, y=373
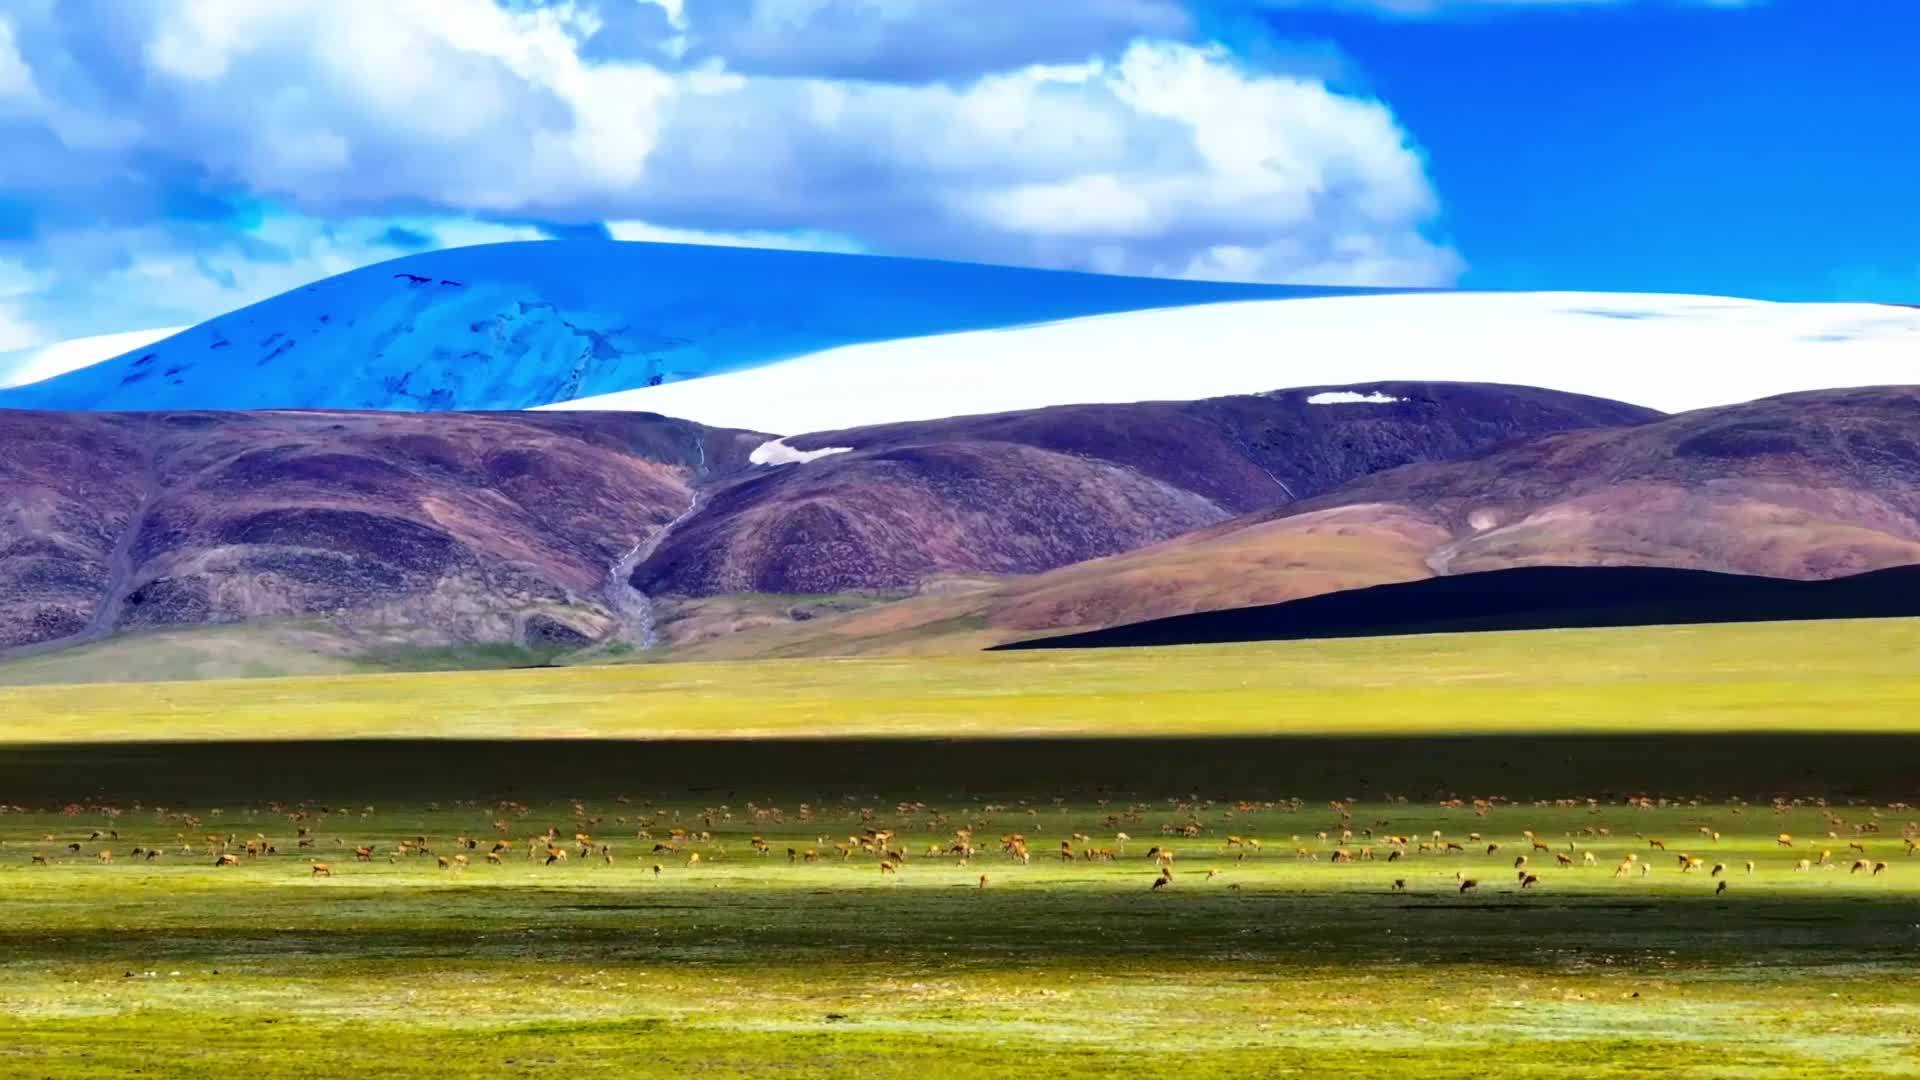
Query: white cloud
x=1165, y=158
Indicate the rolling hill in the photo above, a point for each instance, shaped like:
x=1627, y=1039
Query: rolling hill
x=891, y=507
x=1804, y=486
x=555, y=532
x=392, y=529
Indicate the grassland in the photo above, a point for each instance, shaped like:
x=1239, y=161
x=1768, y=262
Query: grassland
x=1849, y=676
x=1280, y=962
x=744, y=964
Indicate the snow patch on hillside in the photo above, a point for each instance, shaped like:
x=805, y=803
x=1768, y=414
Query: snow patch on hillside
x=777, y=452
x=1670, y=352
x=1348, y=397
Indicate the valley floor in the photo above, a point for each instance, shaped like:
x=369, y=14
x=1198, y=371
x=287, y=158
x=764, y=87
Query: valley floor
x=1275, y=959
x=1278, y=964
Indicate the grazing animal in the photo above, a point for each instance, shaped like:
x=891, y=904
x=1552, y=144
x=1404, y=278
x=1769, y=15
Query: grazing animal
x=1587, y=858
x=1519, y=861
x=1528, y=881
x=1877, y=867
x=1720, y=888
x=1399, y=884
x=1859, y=865
x=321, y=869
x=105, y=856
x=1803, y=865
x=1656, y=842
x=493, y=857
x=39, y=859
x=1718, y=869
x=1783, y=840
x=227, y=860
x=1468, y=884
x=1749, y=866
x=363, y=854
x=1563, y=858
x=983, y=881
x=656, y=869
x=1160, y=883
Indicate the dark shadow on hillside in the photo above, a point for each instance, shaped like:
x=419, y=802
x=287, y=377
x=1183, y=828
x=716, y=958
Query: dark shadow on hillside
x=1527, y=598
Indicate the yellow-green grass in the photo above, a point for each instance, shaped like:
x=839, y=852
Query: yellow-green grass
x=1822, y=676
x=750, y=965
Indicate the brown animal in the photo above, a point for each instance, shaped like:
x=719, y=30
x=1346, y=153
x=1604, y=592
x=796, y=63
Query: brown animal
x=321, y=869
x=1468, y=885
x=227, y=860
x=105, y=856
x=39, y=860
x=1720, y=888
x=1784, y=840
x=1528, y=881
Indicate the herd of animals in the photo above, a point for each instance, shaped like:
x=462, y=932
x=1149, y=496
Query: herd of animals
x=1853, y=839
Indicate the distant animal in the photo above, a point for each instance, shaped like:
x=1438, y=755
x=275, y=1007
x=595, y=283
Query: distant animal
x=1528, y=881
x=321, y=869
x=1718, y=869
x=1399, y=884
x=1877, y=867
x=227, y=860
x=1468, y=885
x=983, y=881
x=1720, y=888
x=414, y=279
x=656, y=869
x=1784, y=840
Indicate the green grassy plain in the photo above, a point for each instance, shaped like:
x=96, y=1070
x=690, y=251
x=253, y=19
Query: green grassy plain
x=1281, y=963
x=750, y=965
x=1842, y=676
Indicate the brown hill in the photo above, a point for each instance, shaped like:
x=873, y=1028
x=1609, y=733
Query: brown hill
x=447, y=528
x=1023, y=493
x=1813, y=485
x=1806, y=486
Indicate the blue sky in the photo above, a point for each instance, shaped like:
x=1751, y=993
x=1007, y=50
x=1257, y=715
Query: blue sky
x=168, y=160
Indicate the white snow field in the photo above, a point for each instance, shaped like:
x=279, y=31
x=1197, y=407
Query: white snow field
x=22, y=366
x=1670, y=352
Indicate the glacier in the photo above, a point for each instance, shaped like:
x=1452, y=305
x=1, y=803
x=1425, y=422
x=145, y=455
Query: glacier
x=516, y=325
x=1668, y=352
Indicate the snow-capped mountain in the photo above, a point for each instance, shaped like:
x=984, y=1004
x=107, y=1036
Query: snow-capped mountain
x=1668, y=352
x=511, y=326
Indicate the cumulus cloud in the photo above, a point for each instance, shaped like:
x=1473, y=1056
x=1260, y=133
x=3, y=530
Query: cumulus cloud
x=213, y=150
